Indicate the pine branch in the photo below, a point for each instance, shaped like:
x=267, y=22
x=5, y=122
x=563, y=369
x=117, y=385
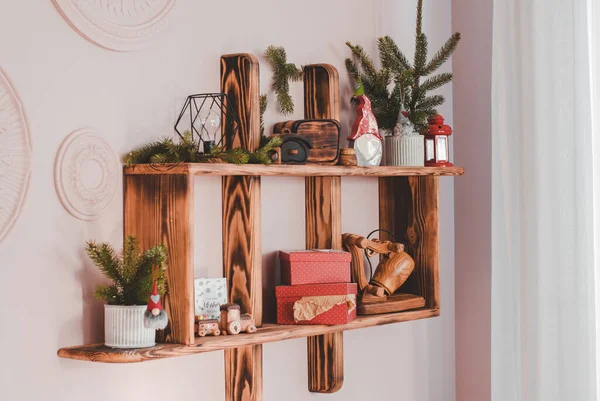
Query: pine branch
x=261, y=156
x=436, y=82
x=131, y=258
x=352, y=70
x=430, y=102
x=109, y=293
x=366, y=62
x=105, y=258
x=419, y=18
x=420, y=54
x=391, y=56
x=143, y=154
x=283, y=72
x=442, y=55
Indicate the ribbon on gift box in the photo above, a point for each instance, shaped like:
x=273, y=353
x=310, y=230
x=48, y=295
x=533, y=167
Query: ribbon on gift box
x=308, y=308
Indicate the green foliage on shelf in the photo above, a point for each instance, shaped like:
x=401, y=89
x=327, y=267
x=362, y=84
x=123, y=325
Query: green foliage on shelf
x=283, y=73
x=185, y=151
x=405, y=79
x=131, y=273
x=263, y=108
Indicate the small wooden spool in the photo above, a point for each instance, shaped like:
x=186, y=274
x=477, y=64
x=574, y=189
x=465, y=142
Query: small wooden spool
x=348, y=157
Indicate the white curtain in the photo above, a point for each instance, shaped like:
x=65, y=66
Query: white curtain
x=543, y=311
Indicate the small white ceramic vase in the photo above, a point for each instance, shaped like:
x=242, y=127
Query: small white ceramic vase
x=124, y=327
x=405, y=150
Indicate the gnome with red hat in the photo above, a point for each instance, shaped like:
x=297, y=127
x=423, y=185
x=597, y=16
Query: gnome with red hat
x=155, y=316
x=365, y=138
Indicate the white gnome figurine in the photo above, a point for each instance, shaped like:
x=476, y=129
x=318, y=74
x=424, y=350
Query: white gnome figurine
x=403, y=125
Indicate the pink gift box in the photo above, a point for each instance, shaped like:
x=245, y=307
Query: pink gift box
x=339, y=314
x=315, y=267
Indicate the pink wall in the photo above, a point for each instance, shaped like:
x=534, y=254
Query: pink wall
x=65, y=83
x=472, y=125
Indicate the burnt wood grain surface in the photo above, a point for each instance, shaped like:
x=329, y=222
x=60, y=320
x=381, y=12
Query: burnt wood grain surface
x=242, y=260
x=256, y=170
x=266, y=334
x=409, y=208
x=323, y=224
x=159, y=209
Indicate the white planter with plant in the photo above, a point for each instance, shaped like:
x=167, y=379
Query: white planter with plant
x=127, y=297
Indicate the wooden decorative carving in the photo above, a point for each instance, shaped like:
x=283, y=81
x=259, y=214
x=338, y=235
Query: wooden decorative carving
x=116, y=24
x=15, y=156
x=242, y=258
x=323, y=224
x=158, y=209
x=409, y=207
x=86, y=174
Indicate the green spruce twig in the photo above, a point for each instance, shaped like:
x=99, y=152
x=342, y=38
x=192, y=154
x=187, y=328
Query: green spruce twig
x=283, y=73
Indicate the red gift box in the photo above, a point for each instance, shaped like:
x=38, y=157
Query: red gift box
x=339, y=314
x=315, y=267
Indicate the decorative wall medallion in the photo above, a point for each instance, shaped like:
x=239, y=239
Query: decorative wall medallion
x=15, y=156
x=86, y=173
x=121, y=25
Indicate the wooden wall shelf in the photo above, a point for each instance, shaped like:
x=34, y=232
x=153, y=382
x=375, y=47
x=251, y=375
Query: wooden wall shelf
x=288, y=170
x=267, y=334
x=158, y=208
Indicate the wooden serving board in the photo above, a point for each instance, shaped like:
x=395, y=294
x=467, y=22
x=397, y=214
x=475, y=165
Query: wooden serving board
x=393, y=303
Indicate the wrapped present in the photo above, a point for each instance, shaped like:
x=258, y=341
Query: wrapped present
x=316, y=303
x=317, y=266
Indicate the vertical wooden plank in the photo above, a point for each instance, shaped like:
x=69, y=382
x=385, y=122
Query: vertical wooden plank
x=323, y=225
x=159, y=209
x=242, y=261
x=409, y=208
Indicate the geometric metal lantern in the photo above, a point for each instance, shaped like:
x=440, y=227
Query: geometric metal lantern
x=209, y=119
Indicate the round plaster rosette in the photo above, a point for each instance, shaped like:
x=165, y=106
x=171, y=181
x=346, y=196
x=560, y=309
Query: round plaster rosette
x=86, y=174
x=15, y=156
x=122, y=25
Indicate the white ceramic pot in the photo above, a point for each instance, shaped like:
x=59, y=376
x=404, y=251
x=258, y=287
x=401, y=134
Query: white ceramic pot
x=124, y=327
x=405, y=150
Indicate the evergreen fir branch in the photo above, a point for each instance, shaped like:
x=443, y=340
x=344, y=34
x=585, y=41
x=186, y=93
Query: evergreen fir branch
x=143, y=154
x=366, y=62
x=436, y=82
x=420, y=54
x=261, y=156
x=236, y=156
x=283, y=72
x=419, y=18
x=109, y=293
x=391, y=56
x=352, y=70
x=430, y=102
x=105, y=258
x=131, y=258
x=443, y=54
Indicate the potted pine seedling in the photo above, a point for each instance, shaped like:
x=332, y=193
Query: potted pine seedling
x=133, y=310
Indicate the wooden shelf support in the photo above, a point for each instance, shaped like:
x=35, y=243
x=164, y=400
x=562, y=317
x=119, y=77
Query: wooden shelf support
x=242, y=260
x=159, y=209
x=409, y=208
x=323, y=225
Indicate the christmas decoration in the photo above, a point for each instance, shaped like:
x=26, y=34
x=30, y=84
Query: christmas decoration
x=210, y=294
x=283, y=73
x=404, y=77
x=155, y=316
x=437, y=142
x=234, y=323
x=185, y=151
x=132, y=273
x=365, y=138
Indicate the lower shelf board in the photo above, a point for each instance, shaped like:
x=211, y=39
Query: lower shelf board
x=266, y=334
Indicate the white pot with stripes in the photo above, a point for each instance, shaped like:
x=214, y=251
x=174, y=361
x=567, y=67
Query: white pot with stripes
x=124, y=327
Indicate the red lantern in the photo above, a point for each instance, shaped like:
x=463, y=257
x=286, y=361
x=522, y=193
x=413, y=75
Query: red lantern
x=437, y=143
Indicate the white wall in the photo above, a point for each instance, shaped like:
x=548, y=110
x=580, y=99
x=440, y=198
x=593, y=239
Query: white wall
x=66, y=83
x=472, y=65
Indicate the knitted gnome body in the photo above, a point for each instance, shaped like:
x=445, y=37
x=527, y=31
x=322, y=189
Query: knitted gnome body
x=155, y=316
x=365, y=138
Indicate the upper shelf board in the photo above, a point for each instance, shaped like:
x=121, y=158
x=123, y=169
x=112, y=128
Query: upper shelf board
x=309, y=170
